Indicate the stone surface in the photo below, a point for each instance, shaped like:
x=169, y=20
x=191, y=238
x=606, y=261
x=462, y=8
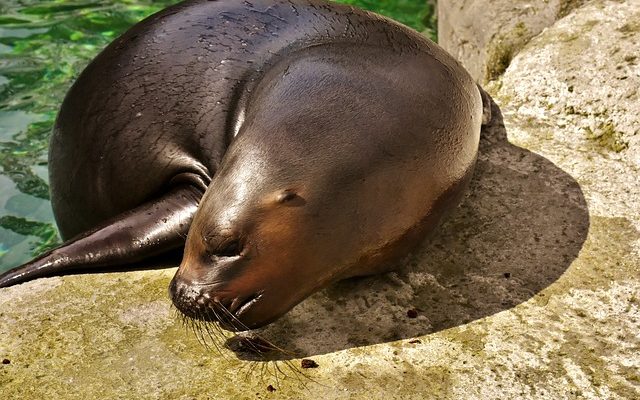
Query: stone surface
x=485, y=35
x=577, y=87
x=530, y=290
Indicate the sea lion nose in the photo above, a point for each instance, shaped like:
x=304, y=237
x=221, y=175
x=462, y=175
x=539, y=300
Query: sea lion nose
x=173, y=288
x=190, y=297
x=182, y=291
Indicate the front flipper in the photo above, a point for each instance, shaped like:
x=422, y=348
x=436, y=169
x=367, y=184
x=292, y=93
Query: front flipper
x=151, y=229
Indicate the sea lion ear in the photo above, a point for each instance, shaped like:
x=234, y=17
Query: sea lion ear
x=289, y=197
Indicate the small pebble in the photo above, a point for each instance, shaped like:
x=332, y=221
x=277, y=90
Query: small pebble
x=6, y=361
x=507, y=275
x=307, y=363
x=413, y=313
x=270, y=388
x=415, y=341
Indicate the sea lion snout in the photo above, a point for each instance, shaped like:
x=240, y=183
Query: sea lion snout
x=214, y=302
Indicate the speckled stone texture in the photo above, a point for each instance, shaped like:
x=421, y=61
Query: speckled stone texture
x=530, y=290
x=485, y=35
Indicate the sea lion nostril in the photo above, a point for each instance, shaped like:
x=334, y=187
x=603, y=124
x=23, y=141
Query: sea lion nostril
x=176, y=289
x=172, y=288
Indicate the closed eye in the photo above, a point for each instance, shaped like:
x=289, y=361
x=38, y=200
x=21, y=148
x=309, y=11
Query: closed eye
x=229, y=249
x=290, y=198
x=286, y=196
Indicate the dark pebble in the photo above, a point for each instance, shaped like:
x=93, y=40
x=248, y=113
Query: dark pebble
x=6, y=361
x=307, y=363
x=413, y=313
x=415, y=341
x=507, y=275
x=270, y=388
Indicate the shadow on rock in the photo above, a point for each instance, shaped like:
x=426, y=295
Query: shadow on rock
x=521, y=225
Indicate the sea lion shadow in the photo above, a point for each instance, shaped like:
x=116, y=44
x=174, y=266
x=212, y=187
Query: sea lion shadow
x=521, y=225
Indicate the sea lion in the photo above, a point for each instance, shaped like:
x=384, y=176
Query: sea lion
x=293, y=143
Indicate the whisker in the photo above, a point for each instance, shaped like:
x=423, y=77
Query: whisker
x=252, y=367
x=244, y=327
x=297, y=373
x=198, y=333
x=250, y=343
x=210, y=334
x=215, y=333
x=262, y=368
x=276, y=369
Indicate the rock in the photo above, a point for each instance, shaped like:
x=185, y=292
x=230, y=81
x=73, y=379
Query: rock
x=576, y=87
x=485, y=35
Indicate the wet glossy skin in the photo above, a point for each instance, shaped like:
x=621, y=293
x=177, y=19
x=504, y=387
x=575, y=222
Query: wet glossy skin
x=317, y=183
x=329, y=141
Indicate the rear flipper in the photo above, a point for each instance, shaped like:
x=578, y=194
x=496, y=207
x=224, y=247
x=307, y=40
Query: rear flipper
x=486, y=106
x=151, y=229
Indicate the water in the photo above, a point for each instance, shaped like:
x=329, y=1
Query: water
x=44, y=45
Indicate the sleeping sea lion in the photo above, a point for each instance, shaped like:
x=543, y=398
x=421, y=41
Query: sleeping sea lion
x=292, y=143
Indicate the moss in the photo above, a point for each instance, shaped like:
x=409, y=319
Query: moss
x=630, y=27
x=501, y=50
x=472, y=338
x=607, y=137
x=606, y=257
x=499, y=57
x=440, y=382
x=568, y=36
x=434, y=382
x=84, y=345
x=589, y=355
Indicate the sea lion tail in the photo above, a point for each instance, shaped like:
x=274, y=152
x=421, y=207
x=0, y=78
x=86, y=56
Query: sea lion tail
x=152, y=229
x=486, y=106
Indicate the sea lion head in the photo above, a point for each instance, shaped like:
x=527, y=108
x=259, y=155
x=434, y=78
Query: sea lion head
x=262, y=240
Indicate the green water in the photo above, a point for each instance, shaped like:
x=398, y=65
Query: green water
x=44, y=45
